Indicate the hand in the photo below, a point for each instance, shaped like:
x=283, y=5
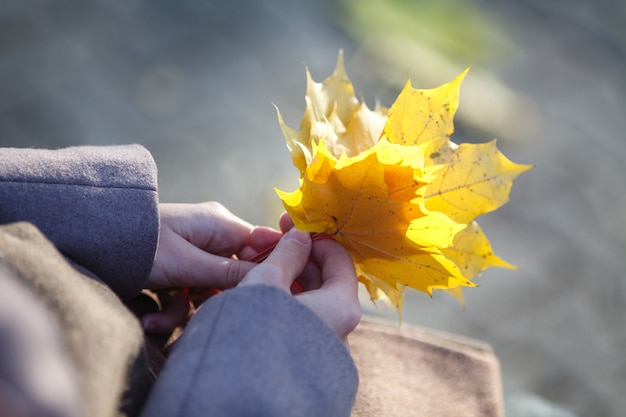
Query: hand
x=199, y=247
x=329, y=279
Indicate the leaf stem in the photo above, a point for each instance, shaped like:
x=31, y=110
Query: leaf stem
x=296, y=288
x=261, y=256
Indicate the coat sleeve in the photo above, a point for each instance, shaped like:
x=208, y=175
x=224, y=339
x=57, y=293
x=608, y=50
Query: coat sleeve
x=255, y=351
x=98, y=205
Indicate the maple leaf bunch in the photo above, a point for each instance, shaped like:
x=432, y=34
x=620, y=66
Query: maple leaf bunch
x=393, y=189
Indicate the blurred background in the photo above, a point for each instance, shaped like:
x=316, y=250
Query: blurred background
x=195, y=82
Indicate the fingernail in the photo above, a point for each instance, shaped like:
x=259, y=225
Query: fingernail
x=298, y=236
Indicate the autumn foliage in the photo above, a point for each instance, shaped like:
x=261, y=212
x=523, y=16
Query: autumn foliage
x=393, y=189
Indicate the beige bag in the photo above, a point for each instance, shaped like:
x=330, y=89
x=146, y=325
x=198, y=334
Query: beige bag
x=410, y=371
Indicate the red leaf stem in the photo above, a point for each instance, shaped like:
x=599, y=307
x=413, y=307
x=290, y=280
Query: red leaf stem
x=261, y=256
x=296, y=288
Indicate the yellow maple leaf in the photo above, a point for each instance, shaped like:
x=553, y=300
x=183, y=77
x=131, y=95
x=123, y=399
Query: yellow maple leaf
x=474, y=179
x=393, y=189
x=418, y=116
x=333, y=115
x=372, y=205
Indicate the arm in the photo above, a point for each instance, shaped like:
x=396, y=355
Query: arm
x=257, y=350
x=98, y=205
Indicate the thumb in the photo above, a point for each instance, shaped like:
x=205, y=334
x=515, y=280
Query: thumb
x=285, y=262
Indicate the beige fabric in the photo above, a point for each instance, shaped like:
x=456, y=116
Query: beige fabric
x=410, y=371
x=102, y=338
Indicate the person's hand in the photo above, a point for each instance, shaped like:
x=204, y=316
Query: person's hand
x=325, y=271
x=200, y=247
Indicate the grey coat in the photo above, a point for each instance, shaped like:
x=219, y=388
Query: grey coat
x=79, y=233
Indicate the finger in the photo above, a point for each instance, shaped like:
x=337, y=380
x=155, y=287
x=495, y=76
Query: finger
x=285, y=223
x=209, y=226
x=180, y=264
x=336, y=265
x=336, y=302
x=342, y=314
x=174, y=312
x=311, y=277
x=285, y=262
x=263, y=237
x=261, y=240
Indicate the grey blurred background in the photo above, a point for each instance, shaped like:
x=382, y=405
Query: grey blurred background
x=194, y=81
